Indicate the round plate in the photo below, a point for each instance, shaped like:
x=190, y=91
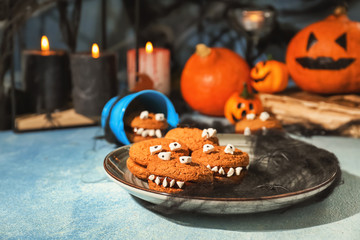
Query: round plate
x=115, y=166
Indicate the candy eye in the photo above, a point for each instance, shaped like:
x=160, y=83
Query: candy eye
x=155, y=149
x=159, y=117
x=207, y=148
x=229, y=149
x=144, y=115
x=174, y=145
x=239, y=105
x=185, y=159
x=164, y=155
x=208, y=133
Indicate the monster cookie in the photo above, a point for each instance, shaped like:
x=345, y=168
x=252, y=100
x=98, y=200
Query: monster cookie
x=228, y=164
x=147, y=126
x=254, y=123
x=194, y=137
x=174, y=174
x=140, y=152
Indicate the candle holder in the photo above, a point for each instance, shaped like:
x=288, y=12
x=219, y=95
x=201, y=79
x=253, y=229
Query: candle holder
x=253, y=23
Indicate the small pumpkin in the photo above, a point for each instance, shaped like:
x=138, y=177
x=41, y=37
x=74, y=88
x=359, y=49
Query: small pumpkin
x=239, y=105
x=269, y=76
x=209, y=78
x=324, y=57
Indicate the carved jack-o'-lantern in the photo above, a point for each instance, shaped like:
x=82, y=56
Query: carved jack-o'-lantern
x=239, y=105
x=324, y=57
x=269, y=76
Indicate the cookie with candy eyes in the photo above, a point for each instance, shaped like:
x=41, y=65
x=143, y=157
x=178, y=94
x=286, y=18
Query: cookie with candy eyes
x=140, y=152
x=177, y=174
x=147, y=126
x=252, y=123
x=228, y=164
x=195, y=138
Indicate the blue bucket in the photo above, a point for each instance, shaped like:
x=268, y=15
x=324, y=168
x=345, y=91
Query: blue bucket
x=123, y=111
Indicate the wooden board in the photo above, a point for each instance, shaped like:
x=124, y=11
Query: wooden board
x=62, y=119
x=337, y=113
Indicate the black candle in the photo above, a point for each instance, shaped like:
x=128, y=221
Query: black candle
x=94, y=81
x=46, y=79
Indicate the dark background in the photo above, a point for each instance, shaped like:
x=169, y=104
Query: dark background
x=177, y=25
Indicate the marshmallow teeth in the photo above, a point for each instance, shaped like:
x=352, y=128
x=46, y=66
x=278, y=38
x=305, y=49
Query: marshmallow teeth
x=208, y=148
x=231, y=172
x=155, y=149
x=158, y=133
x=238, y=170
x=175, y=145
x=180, y=184
x=185, y=159
x=208, y=133
x=144, y=115
x=172, y=183
x=247, y=131
x=229, y=149
x=139, y=131
x=164, y=155
x=165, y=182
x=148, y=132
x=159, y=117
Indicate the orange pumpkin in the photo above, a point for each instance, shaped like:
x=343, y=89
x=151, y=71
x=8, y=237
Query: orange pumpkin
x=209, y=78
x=269, y=76
x=324, y=57
x=239, y=105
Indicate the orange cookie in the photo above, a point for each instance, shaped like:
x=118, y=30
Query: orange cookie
x=194, y=137
x=137, y=170
x=172, y=174
x=228, y=164
x=252, y=123
x=147, y=125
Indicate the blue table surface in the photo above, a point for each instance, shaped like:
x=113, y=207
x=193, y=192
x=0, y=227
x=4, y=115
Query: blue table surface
x=53, y=186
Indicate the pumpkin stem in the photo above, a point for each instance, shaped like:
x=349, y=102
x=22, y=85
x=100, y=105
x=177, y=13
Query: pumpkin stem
x=340, y=10
x=245, y=93
x=202, y=50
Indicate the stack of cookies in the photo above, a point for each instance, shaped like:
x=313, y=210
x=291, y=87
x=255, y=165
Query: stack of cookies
x=185, y=158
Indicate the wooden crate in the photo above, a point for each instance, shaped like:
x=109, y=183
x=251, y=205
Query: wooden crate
x=335, y=114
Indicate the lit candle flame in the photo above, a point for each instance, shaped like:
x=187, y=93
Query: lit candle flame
x=45, y=44
x=256, y=16
x=149, y=47
x=95, y=52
